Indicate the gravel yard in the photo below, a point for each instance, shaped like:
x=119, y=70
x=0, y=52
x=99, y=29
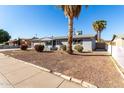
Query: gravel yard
x=95, y=69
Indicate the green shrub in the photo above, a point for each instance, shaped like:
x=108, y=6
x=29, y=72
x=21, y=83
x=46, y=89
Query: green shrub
x=63, y=47
x=24, y=47
x=79, y=48
x=39, y=48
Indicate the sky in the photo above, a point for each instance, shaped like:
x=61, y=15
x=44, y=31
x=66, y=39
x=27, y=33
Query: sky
x=48, y=20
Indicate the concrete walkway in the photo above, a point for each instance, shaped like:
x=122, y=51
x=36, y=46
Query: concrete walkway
x=12, y=49
x=14, y=73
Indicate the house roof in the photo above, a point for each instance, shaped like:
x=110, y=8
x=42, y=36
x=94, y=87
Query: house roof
x=43, y=39
x=46, y=38
x=75, y=36
x=63, y=37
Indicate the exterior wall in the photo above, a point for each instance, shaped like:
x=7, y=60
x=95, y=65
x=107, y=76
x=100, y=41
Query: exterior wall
x=63, y=43
x=109, y=49
x=93, y=44
x=118, y=41
x=87, y=45
x=122, y=42
x=47, y=48
x=13, y=43
x=58, y=46
x=117, y=53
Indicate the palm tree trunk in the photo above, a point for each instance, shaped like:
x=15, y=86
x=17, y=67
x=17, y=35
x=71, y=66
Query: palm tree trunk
x=70, y=35
x=98, y=36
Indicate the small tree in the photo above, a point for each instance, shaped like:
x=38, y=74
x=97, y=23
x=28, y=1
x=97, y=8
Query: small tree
x=79, y=48
x=63, y=47
x=39, y=48
x=24, y=47
x=4, y=36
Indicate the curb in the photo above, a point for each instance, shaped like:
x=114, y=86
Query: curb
x=71, y=79
x=88, y=85
x=57, y=74
x=65, y=77
x=76, y=80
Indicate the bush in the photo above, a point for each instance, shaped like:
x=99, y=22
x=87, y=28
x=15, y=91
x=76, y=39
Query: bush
x=63, y=47
x=39, y=48
x=24, y=47
x=79, y=48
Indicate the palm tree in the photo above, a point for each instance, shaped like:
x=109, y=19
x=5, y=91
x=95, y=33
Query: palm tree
x=71, y=11
x=98, y=26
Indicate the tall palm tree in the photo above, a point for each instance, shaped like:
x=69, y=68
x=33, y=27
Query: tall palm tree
x=98, y=26
x=71, y=11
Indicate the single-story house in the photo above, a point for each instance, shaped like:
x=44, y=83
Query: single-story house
x=87, y=41
x=18, y=42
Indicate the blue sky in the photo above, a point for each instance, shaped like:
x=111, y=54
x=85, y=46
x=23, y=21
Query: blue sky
x=43, y=20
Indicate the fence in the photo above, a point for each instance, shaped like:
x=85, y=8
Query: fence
x=118, y=54
x=8, y=47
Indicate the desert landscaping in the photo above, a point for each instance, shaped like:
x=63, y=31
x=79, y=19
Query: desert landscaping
x=95, y=68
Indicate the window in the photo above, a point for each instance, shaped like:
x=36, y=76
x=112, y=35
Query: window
x=49, y=43
x=77, y=42
x=58, y=42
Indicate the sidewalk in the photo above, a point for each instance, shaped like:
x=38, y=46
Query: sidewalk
x=14, y=73
x=9, y=49
x=12, y=49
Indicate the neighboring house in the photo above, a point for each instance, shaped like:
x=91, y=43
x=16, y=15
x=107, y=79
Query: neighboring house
x=12, y=42
x=119, y=40
x=87, y=41
x=22, y=41
x=9, y=44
